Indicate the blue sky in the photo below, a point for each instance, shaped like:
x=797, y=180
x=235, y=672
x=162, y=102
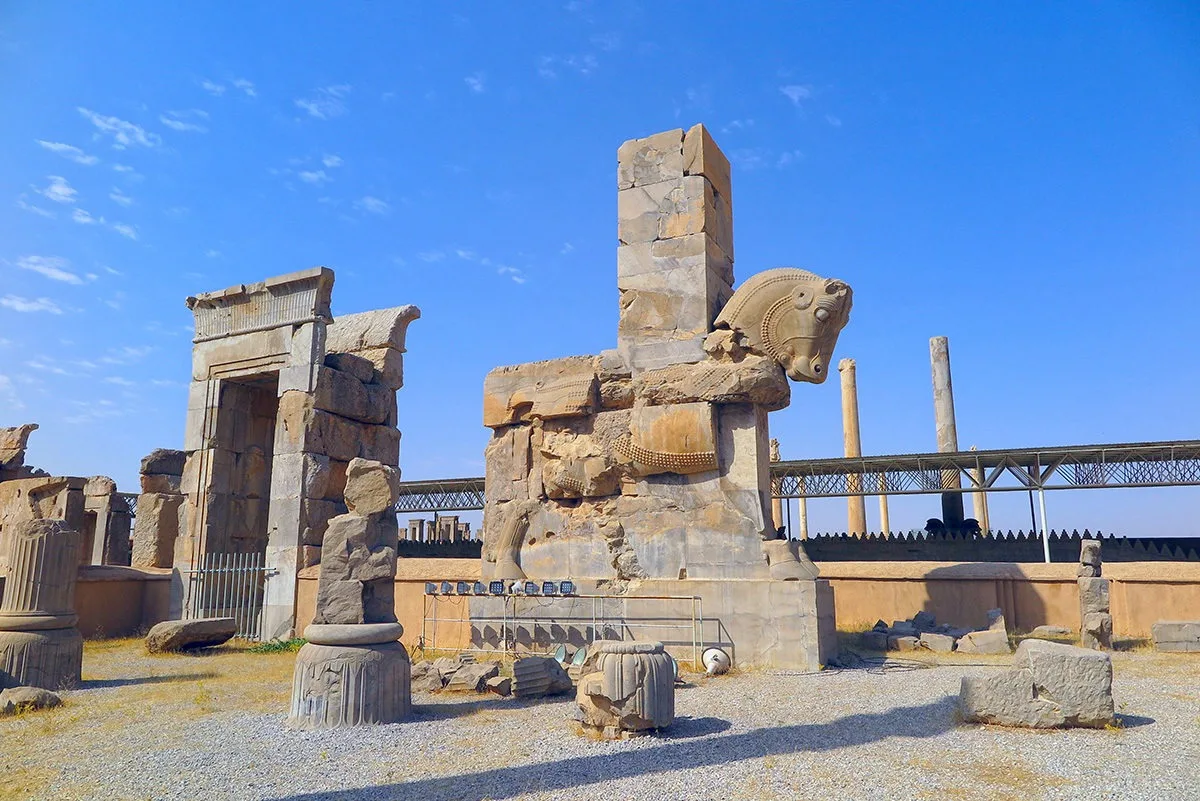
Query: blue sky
x=1023, y=178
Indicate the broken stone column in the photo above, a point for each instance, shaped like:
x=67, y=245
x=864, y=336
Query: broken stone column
x=13, y=442
x=160, y=510
x=947, y=429
x=353, y=671
x=39, y=643
x=632, y=691
x=1096, y=623
x=852, y=440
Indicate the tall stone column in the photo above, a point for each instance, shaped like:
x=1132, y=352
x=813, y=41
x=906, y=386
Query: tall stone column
x=39, y=644
x=776, y=488
x=979, y=500
x=947, y=431
x=856, y=504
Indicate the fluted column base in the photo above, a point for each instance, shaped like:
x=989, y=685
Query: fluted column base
x=336, y=686
x=52, y=660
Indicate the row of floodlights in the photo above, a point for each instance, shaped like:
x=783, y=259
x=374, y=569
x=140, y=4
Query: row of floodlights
x=550, y=588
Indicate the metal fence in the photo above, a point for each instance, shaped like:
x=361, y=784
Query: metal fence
x=228, y=585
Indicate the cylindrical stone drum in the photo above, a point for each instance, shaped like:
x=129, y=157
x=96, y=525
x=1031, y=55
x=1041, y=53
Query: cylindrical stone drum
x=636, y=679
x=43, y=561
x=352, y=685
x=52, y=660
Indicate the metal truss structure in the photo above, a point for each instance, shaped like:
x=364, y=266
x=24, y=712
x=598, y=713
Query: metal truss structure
x=1140, y=464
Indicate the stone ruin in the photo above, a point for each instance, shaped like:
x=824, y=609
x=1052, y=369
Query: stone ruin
x=1095, y=615
x=282, y=399
x=645, y=470
x=631, y=692
x=353, y=671
x=39, y=643
x=90, y=506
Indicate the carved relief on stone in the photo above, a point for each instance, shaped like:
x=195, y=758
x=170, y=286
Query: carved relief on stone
x=507, y=547
x=545, y=390
x=793, y=316
x=680, y=438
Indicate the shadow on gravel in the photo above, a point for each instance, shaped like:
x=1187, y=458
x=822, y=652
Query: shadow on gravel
x=1134, y=721
x=926, y=720
x=462, y=709
x=687, y=728
x=97, y=684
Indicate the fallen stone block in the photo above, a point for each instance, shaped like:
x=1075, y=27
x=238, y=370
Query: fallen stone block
x=984, y=642
x=500, y=685
x=446, y=667
x=939, y=643
x=924, y=621
x=875, y=640
x=188, y=635
x=1176, y=635
x=473, y=678
x=880, y=626
x=995, y=620
x=903, y=643
x=1051, y=685
x=537, y=675
x=903, y=628
x=20, y=699
x=1051, y=632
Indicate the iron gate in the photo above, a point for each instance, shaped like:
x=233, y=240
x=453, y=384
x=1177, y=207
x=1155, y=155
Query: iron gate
x=228, y=585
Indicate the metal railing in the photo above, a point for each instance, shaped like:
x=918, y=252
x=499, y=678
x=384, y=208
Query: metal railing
x=228, y=585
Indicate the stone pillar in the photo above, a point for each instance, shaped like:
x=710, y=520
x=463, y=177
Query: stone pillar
x=352, y=671
x=776, y=487
x=979, y=500
x=947, y=431
x=885, y=523
x=856, y=504
x=631, y=692
x=1096, y=624
x=675, y=259
x=39, y=644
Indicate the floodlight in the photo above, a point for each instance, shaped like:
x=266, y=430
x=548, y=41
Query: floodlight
x=496, y=587
x=531, y=588
x=516, y=588
x=464, y=588
x=580, y=656
x=566, y=587
x=430, y=588
x=479, y=588
x=560, y=653
x=447, y=589
x=549, y=588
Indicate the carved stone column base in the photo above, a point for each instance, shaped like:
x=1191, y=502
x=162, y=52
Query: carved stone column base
x=52, y=660
x=632, y=690
x=358, y=685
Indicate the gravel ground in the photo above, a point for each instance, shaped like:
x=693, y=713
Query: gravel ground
x=185, y=728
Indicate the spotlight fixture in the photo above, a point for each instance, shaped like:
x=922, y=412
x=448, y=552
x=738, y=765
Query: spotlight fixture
x=496, y=587
x=566, y=587
x=447, y=588
x=464, y=588
x=531, y=588
x=516, y=588
x=430, y=588
x=549, y=588
x=480, y=588
x=560, y=653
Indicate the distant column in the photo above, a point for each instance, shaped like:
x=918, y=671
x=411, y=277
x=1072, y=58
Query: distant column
x=776, y=486
x=947, y=431
x=979, y=500
x=856, y=504
x=885, y=524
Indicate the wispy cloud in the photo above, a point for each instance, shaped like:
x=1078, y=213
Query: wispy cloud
x=53, y=267
x=748, y=158
x=185, y=120
x=372, y=205
x=796, y=92
x=836, y=122
x=584, y=64
x=120, y=198
x=245, y=86
x=213, y=88
x=501, y=269
x=431, y=256
x=27, y=206
x=330, y=160
x=59, y=190
x=124, y=168
x=737, y=125
x=20, y=304
x=212, y=254
x=326, y=102
x=475, y=83
x=127, y=354
x=123, y=133
x=788, y=158
x=8, y=394
x=68, y=151
x=316, y=177
x=127, y=231
x=120, y=382
x=566, y=248
x=85, y=218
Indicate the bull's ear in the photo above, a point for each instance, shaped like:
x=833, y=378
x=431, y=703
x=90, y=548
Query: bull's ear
x=833, y=286
x=802, y=296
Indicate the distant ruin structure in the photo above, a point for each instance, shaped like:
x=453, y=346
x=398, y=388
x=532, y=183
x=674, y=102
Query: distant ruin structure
x=645, y=470
x=282, y=398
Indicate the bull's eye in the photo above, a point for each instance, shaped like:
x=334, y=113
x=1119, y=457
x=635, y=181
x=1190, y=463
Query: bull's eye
x=822, y=314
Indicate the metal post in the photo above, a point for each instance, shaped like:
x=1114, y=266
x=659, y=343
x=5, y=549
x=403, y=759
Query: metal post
x=1045, y=527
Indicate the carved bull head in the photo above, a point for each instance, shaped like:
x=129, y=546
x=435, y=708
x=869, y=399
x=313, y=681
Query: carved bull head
x=793, y=316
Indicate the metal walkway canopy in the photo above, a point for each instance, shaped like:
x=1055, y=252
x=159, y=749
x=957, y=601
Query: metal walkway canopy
x=1139, y=464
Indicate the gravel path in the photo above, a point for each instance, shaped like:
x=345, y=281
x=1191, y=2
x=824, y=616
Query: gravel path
x=844, y=735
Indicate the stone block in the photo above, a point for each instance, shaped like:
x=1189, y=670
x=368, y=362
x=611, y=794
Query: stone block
x=546, y=390
x=535, y=676
x=473, y=678
x=379, y=444
x=339, y=601
x=984, y=642
x=381, y=328
x=701, y=156
x=499, y=685
x=995, y=620
x=51, y=659
x=371, y=487
x=681, y=438
x=21, y=699
x=389, y=365
x=1089, y=553
x=924, y=621
x=1096, y=631
x=343, y=395
x=631, y=690
x=161, y=483
x=906, y=643
x=938, y=643
x=99, y=486
x=651, y=160
x=155, y=529
x=358, y=366
x=1051, y=685
x=189, y=635
x=1093, y=595
x=1051, y=632
x=875, y=640
x=643, y=355
x=357, y=548
x=1176, y=635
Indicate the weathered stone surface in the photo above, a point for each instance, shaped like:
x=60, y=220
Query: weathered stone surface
x=188, y=635
x=875, y=640
x=1051, y=632
x=924, y=621
x=753, y=379
x=51, y=659
x=346, y=396
x=651, y=159
x=381, y=328
x=536, y=675
x=680, y=438
x=159, y=483
x=1093, y=595
x=1051, y=685
x=938, y=643
x=1089, y=553
x=350, y=686
x=500, y=685
x=632, y=689
x=543, y=390
x=156, y=528
x=21, y=699
x=428, y=680
x=1087, y=571
x=1176, y=635
x=13, y=442
x=984, y=642
x=1096, y=631
x=388, y=364
x=903, y=628
x=371, y=487
x=353, y=633
x=358, y=548
x=39, y=591
x=97, y=486
x=701, y=156
x=995, y=620
x=358, y=366
x=474, y=677
x=904, y=643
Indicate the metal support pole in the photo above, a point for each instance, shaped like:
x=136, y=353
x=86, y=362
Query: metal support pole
x=1045, y=527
